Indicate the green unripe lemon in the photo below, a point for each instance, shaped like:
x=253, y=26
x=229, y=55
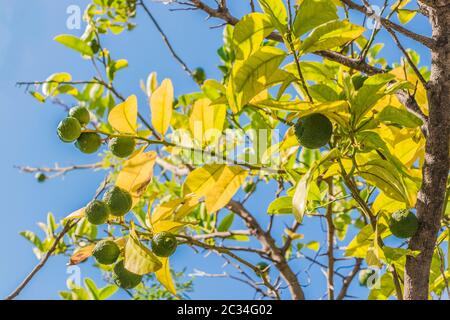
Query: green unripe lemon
x=403, y=224
x=40, y=177
x=122, y=147
x=106, y=252
x=199, y=75
x=364, y=276
x=97, y=212
x=81, y=114
x=124, y=278
x=89, y=142
x=118, y=200
x=313, y=131
x=164, y=244
x=69, y=129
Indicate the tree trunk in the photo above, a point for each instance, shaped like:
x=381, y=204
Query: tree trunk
x=431, y=196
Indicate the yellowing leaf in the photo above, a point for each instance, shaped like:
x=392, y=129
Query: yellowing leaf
x=138, y=258
x=174, y=210
x=136, y=174
x=217, y=183
x=255, y=74
x=405, y=15
x=250, y=32
x=168, y=226
x=74, y=43
x=359, y=246
x=164, y=276
x=123, y=117
x=277, y=11
x=80, y=213
x=161, y=105
x=206, y=121
x=81, y=254
x=312, y=13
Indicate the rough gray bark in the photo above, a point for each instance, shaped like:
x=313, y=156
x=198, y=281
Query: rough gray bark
x=435, y=170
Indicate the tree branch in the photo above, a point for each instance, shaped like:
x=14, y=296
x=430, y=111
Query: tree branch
x=426, y=41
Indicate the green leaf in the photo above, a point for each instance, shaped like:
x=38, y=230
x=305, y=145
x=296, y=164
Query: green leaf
x=360, y=244
x=277, y=11
x=107, y=292
x=74, y=43
x=281, y=205
x=385, y=176
x=313, y=13
x=368, y=95
x=33, y=238
x=330, y=35
x=226, y=223
x=92, y=288
x=399, y=116
x=250, y=32
x=299, y=201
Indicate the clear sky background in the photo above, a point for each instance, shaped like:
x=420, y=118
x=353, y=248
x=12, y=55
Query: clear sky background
x=28, y=53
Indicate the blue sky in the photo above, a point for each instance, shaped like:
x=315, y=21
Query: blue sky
x=27, y=53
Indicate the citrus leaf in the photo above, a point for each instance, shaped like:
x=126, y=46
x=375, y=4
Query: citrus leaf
x=136, y=174
x=277, y=11
x=161, y=105
x=281, y=205
x=330, y=35
x=217, y=183
x=250, y=32
x=312, y=13
x=299, y=201
x=74, y=43
x=138, y=258
x=164, y=276
x=81, y=254
x=123, y=117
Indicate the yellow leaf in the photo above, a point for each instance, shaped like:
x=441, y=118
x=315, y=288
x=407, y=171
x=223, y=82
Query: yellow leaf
x=138, y=258
x=136, y=174
x=206, y=121
x=161, y=105
x=217, y=183
x=75, y=215
x=168, y=226
x=174, y=210
x=81, y=254
x=123, y=117
x=165, y=277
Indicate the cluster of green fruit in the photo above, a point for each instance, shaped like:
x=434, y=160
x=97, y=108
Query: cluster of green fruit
x=313, y=131
x=116, y=202
x=107, y=252
x=71, y=130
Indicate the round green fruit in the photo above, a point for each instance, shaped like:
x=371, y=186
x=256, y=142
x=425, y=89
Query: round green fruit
x=124, y=278
x=106, y=252
x=403, y=224
x=69, y=129
x=97, y=212
x=199, y=75
x=40, y=177
x=313, y=131
x=164, y=244
x=89, y=142
x=364, y=276
x=122, y=147
x=119, y=201
x=81, y=114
